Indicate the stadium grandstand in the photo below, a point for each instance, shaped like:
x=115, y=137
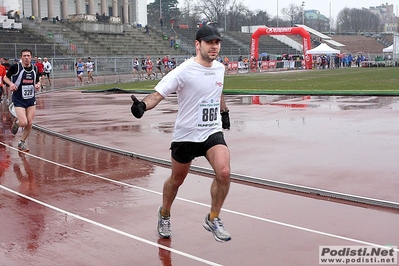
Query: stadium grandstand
x=63, y=35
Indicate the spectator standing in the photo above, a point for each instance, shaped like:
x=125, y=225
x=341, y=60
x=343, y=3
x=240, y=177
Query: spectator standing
x=172, y=42
x=147, y=31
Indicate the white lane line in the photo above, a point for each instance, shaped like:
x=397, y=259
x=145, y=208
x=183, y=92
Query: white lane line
x=207, y=205
x=189, y=256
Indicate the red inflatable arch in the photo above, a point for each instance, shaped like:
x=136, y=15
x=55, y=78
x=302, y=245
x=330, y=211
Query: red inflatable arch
x=283, y=31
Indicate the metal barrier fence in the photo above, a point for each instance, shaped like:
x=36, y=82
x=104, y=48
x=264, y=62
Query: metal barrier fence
x=104, y=66
x=113, y=70
x=107, y=70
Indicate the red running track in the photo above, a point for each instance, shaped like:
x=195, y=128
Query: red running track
x=66, y=203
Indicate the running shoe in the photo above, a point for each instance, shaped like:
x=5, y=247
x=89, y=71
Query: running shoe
x=14, y=128
x=216, y=227
x=163, y=225
x=22, y=146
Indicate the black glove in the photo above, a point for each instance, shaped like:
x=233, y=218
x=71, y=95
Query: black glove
x=225, y=120
x=138, y=108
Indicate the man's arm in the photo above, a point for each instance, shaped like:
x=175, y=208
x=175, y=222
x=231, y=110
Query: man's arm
x=223, y=106
x=224, y=112
x=150, y=101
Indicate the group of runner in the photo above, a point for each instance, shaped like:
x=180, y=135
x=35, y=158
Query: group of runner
x=44, y=69
x=80, y=69
x=147, y=69
x=144, y=68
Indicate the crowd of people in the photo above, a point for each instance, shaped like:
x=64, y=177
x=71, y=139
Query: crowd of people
x=146, y=68
x=43, y=66
x=338, y=61
x=80, y=68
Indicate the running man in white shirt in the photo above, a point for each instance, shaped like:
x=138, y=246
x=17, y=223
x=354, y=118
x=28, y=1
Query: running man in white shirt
x=47, y=70
x=90, y=67
x=136, y=71
x=202, y=114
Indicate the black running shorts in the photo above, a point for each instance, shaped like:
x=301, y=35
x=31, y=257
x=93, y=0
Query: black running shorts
x=185, y=152
x=23, y=103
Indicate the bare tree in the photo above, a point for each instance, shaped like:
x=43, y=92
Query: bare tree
x=293, y=13
x=357, y=21
x=213, y=10
x=261, y=17
x=344, y=23
x=190, y=14
x=169, y=10
x=236, y=16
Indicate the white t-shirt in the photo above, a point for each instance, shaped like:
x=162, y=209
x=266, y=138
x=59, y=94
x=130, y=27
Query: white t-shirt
x=47, y=67
x=89, y=66
x=198, y=90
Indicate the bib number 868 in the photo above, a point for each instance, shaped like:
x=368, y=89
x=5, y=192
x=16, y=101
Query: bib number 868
x=209, y=114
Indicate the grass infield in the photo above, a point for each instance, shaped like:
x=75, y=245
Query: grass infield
x=344, y=81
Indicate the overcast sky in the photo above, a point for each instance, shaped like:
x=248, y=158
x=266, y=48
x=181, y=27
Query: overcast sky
x=324, y=6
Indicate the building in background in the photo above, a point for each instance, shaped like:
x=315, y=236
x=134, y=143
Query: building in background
x=128, y=11
x=388, y=21
x=314, y=19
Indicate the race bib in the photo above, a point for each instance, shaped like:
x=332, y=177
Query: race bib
x=208, y=113
x=28, y=91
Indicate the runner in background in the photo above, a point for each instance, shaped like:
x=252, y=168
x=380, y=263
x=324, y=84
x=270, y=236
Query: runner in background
x=90, y=67
x=80, y=69
x=40, y=68
x=136, y=71
x=3, y=72
x=47, y=71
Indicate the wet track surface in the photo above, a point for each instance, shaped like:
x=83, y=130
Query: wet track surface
x=66, y=203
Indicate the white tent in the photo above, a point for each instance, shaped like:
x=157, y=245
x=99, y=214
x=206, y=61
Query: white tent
x=388, y=49
x=323, y=49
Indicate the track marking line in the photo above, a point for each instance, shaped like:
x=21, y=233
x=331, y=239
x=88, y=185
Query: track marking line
x=193, y=202
x=112, y=229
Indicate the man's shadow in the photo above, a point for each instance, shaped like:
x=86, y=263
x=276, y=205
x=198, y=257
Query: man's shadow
x=32, y=212
x=165, y=255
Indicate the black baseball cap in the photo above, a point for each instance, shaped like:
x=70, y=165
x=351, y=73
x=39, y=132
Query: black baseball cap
x=208, y=33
